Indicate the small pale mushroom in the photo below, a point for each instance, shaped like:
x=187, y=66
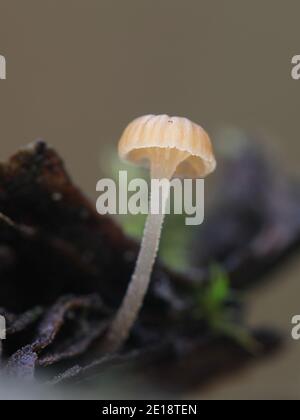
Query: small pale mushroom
x=170, y=147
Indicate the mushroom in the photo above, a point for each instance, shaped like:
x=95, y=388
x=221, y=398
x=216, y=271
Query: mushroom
x=170, y=146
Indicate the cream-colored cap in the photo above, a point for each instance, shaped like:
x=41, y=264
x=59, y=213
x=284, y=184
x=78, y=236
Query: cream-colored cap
x=152, y=135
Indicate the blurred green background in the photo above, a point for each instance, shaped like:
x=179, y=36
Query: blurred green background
x=79, y=70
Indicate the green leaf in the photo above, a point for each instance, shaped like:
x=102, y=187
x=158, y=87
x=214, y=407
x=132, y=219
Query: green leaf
x=219, y=288
x=213, y=296
x=211, y=300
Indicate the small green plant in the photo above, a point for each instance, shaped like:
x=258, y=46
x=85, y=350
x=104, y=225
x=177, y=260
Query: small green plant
x=212, y=305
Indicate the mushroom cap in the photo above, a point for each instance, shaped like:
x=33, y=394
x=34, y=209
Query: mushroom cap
x=146, y=135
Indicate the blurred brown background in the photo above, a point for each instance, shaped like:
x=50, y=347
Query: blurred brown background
x=79, y=70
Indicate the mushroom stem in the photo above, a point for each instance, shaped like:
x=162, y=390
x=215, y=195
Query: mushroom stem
x=133, y=300
x=163, y=165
